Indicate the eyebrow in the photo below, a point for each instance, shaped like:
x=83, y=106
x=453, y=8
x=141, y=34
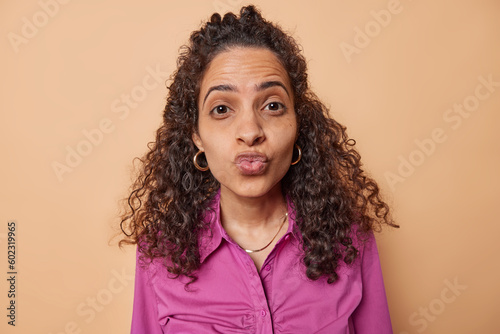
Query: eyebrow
x=268, y=84
x=224, y=88
x=231, y=88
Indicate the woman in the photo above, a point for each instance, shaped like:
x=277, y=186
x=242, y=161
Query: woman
x=251, y=213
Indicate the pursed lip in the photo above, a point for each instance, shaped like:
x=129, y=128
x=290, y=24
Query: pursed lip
x=251, y=163
x=250, y=156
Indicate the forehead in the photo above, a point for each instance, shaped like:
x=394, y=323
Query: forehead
x=244, y=66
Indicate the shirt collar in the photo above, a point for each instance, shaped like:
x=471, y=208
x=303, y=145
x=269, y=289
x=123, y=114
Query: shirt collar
x=211, y=238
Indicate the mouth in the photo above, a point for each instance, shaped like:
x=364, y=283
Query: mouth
x=251, y=163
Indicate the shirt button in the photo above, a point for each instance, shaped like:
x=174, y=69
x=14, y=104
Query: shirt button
x=263, y=313
x=268, y=267
x=287, y=237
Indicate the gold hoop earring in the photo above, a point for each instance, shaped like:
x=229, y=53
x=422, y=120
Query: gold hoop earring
x=300, y=155
x=198, y=167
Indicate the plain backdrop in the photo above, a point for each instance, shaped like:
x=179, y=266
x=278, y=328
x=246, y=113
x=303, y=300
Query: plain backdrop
x=417, y=83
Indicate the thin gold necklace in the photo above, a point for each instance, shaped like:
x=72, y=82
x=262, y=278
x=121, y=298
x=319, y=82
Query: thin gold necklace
x=270, y=242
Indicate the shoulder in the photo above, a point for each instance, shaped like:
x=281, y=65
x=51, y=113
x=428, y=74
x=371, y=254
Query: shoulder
x=364, y=243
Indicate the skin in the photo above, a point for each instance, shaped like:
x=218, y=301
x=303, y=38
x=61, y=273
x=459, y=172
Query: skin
x=240, y=113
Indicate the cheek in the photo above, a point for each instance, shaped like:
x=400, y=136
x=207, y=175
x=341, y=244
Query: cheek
x=284, y=153
x=212, y=154
x=218, y=163
x=217, y=154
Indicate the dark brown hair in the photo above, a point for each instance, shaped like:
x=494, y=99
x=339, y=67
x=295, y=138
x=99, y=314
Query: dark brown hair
x=328, y=188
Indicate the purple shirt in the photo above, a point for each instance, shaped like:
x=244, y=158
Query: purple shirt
x=232, y=296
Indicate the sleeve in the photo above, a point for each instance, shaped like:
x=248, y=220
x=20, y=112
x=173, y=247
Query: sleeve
x=145, y=309
x=372, y=314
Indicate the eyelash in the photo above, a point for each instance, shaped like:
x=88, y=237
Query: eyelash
x=280, y=105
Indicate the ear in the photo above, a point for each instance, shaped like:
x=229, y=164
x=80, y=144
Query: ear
x=197, y=141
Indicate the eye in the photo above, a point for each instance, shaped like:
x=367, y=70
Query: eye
x=220, y=110
x=275, y=106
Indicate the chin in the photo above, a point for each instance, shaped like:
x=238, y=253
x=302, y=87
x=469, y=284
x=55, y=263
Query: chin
x=252, y=190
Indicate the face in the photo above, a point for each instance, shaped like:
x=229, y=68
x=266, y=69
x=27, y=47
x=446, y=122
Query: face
x=247, y=125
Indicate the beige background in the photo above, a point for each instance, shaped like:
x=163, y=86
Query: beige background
x=66, y=73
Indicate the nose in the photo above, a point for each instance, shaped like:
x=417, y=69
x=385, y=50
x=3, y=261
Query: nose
x=249, y=129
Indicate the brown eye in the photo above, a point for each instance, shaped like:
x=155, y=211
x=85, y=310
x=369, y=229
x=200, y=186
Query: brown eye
x=220, y=110
x=275, y=106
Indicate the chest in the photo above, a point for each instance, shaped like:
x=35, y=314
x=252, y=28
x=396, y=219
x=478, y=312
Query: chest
x=232, y=295
x=258, y=258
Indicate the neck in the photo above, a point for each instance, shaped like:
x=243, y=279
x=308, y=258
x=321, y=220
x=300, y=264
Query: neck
x=252, y=214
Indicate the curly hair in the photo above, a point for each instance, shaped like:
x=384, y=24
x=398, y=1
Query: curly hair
x=328, y=188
